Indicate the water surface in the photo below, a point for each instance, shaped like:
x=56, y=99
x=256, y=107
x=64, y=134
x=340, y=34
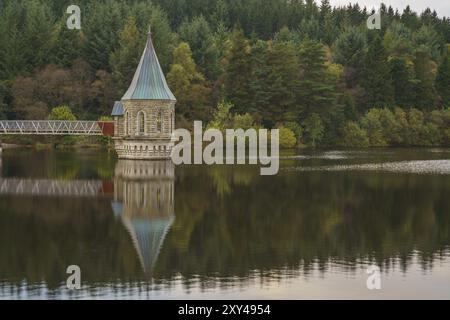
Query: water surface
x=149, y=230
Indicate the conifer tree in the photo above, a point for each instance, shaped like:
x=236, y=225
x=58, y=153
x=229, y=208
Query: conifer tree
x=101, y=28
x=425, y=89
x=349, y=50
x=238, y=72
x=403, y=81
x=443, y=79
x=37, y=34
x=188, y=85
x=274, y=81
x=12, y=57
x=68, y=44
x=198, y=35
x=316, y=93
x=398, y=40
x=377, y=78
x=126, y=58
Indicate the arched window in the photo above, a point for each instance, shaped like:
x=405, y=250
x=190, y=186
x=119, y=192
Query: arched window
x=159, y=120
x=127, y=123
x=171, y=122
x=141, y=123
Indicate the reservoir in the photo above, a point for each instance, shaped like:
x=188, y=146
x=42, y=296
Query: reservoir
x=153, y=230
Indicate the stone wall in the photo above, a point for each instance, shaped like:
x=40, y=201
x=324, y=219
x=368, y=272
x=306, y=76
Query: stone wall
x=131, y=143
x=151, y=109
x=143, y=149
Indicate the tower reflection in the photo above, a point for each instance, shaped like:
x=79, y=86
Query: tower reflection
x=144, y=201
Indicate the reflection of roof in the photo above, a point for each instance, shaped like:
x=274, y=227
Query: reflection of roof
x=117, y=109
x=148, y=236
x=117, y=208
x=149, y=82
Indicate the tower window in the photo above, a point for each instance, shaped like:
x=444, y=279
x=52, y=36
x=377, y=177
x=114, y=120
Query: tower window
x=127, y=123
x=141, y=123
x=159, y=119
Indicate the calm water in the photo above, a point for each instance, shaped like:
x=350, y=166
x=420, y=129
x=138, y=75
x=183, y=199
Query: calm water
x=148, y=230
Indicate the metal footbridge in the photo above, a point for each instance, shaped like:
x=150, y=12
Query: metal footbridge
x=56, y=127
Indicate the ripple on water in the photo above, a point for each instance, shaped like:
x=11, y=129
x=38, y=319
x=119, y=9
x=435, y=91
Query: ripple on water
x=419, y=167
x=337, y=155
x=332, y=155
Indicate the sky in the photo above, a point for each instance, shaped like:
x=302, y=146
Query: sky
x=442, y=7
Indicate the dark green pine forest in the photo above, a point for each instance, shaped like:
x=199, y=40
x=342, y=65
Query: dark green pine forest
x=315, y=72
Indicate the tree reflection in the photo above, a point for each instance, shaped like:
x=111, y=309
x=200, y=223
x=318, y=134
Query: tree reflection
x=230, y=222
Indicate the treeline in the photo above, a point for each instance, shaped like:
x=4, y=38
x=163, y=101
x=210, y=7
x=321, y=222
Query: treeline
x=314, y=70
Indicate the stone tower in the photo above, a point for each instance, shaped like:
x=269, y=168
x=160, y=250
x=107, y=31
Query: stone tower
x=145, y=117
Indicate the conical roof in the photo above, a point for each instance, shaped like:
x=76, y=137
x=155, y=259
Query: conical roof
x=149, y=82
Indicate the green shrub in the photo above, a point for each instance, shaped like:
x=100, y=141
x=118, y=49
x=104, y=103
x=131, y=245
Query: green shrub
x=416, y=129
x=62, y=113
x=106, y=118
x=371, y=123
x=447, y=137
x=222, y=118
x=243, y=121
x=400, y=133
x=287, y=138
x=314, y=129
x=354, y=135
x=296, y=128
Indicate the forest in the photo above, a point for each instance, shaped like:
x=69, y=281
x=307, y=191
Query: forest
x=314, y=71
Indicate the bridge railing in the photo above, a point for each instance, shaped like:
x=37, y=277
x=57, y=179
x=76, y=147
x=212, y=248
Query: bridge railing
x=53, y=127
x=48, y=187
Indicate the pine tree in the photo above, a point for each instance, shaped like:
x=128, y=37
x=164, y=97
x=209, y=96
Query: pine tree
x=316, y=93
x=443, y=79
x=274, y=81
x=68, y=44
x=220, y=14
x=238, y=72
x=12, y=48
x=4, y=109
x=38, y=34
x=377, y=78
x=349, y=50
x=398, y=40
x=198, y=35
x=163, y=38
x=309, y=29
x=12, y=58
x=260, y=84
x=126, y=58
x=410, y=19
x=425, y=89
x=314, y=129
x=427, y=40
x=327, y=25
x=188, y=85
x=101, y=28
x=402, y=75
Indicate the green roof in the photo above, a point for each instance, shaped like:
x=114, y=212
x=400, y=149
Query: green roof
x=149, y=82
